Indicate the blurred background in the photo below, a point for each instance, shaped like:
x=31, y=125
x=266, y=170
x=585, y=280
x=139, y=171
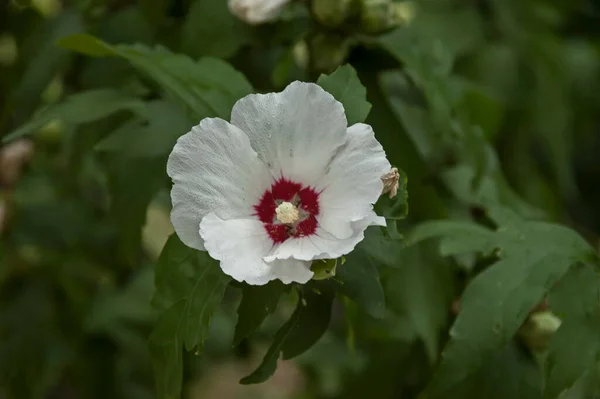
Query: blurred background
x=84, y=208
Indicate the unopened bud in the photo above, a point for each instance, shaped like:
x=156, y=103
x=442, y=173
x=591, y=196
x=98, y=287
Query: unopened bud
x=48, y=8
x=333, y=13
x=8, y=50
x=328, y=51
x=379, y=16
x=54, y=91
x=323, y=268
x=538, y=329
x=390, y=182
x=255, y=12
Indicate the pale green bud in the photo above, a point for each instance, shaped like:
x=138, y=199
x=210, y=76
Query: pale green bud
x=539, y=328
x=333, y=13
x=54, y=91
x=48, y=8
x=323, y=268
x=328, y=52
x=379, y=16
x=52, y=131
x=8, y=50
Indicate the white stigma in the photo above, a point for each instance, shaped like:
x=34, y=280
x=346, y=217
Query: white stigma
x=287, y=213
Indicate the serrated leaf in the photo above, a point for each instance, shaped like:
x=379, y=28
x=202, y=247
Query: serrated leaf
x=533, y=257
x=206, y=88
x=304, y=328
x=381, y=248
x=196, y=284
x=359, y=280
x=258, y=301
x=87, y=106
x=344, y=85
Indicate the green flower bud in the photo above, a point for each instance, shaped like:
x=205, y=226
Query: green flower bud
x=328, y=52
x=52, y=132
x=379, y=16
x=323, y=268
x=54, y=91
x=8, y=50
x=48, y=8
x=333, y=13
x=538, y=329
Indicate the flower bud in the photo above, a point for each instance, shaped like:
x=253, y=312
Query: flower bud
x=333, y=13
x=379, y=16
x=323, y=268
x=328, y=52
x=54, y=91
x=538, y=329
x=8, y=50
x=48, y=8
x=255, y=12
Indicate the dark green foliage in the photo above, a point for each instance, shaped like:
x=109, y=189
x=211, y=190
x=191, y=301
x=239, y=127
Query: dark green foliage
x=488, y=108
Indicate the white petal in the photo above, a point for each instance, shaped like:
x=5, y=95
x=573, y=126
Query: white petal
x=323, y=245
x=240, y=245
x=353, y=182
x=295, y=132
x=213, y=168
x=256, y=11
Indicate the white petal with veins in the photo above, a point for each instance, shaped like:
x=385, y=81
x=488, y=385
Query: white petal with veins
x=295, y=132
x=213, y=168
x=241, y=244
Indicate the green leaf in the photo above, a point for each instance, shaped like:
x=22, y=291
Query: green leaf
x=382, y=249
x=345, y=86
x=497, y=301
x=304, y=328
x=115, y=311
x=87, y=106
x=165, y=347
x=196, y=284
x=152, y=133
x=455, y=237
x=359, y=280
x=43, y=59
x=258, y=301
x=133, y=183
x=312, y=321
x=206, y=88
x=269, y=363
x=509, y=373
x=574, y=350
x=420, y=290
x=207, y=18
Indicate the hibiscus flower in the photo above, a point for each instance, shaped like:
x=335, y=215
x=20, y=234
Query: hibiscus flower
x=285, y=183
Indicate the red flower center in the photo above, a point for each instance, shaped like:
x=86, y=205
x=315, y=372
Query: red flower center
x=305, y=199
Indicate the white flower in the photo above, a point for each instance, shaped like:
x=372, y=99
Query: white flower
x=256, y=12
x=286, y=182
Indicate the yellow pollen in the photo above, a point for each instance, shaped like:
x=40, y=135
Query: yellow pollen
x=287, y=213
